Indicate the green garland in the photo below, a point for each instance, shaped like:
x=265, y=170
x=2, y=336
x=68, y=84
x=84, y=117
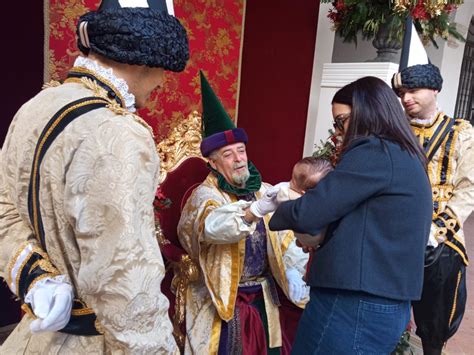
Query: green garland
x=431, y=18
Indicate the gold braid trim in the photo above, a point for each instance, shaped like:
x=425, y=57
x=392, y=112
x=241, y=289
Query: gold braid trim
x=452, y=150
x=45, y=265
x=40, y=251
x=82, y=311
x=454, y=246
x=442, y=193
x=453, y=310
x=22, y=266
x=100, y=78
x=27, y=309
x=215, y=335
x=113, y=105
x=450, y=224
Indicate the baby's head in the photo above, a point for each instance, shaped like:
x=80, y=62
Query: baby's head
x=308, y=172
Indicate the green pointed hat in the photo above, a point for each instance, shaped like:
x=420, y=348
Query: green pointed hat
x=218, y=130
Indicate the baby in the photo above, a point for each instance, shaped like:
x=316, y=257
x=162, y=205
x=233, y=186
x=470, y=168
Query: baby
x=306, y=174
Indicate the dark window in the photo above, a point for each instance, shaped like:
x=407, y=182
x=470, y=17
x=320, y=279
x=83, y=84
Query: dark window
x=465, y=99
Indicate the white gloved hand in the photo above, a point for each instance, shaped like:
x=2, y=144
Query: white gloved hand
x=51, y=301
x=297, y=288
x=268, y=203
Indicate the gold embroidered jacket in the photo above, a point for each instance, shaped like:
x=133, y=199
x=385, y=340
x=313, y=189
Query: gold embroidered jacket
x=212, y=232
x=451, y=172
x=98, y=181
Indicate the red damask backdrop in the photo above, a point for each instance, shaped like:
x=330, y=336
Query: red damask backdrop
x=214, y=29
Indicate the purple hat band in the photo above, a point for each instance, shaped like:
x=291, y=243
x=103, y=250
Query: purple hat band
x=221, y=139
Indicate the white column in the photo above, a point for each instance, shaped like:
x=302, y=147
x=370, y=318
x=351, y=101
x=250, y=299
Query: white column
x=334, y=77
x=322, y=54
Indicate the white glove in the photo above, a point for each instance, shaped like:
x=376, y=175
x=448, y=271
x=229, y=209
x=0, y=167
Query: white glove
x=51, y=301
x=268, y=203
x=297, y=288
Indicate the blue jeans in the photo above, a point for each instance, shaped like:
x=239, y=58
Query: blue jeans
x=349, y=322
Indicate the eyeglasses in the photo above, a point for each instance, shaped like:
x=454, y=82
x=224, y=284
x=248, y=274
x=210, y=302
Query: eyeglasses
x=339, y=120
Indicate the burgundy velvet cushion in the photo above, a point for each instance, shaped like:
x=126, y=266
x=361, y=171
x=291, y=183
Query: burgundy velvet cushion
x=176, y=187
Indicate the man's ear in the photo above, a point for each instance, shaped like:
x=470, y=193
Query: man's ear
x=212, y=164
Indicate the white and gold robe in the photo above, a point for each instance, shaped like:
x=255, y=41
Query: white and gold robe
x=213, y=233
x=98, y=182
x=451, y=173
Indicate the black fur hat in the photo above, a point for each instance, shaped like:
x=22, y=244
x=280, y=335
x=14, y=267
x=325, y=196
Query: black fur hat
x=418, y=76
x=135, y=35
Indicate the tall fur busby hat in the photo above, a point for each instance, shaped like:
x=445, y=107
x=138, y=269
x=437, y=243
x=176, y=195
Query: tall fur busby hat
x=137, y=32
x=415, y=70
x=218, y=130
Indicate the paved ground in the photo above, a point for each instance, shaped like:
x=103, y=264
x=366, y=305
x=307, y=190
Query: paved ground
x=462, y=343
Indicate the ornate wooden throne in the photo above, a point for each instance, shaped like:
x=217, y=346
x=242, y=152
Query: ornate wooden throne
x=182, y=169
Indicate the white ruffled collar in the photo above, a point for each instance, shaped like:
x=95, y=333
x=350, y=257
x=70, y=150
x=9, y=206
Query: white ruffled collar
x=426, y=121
x=107, y=73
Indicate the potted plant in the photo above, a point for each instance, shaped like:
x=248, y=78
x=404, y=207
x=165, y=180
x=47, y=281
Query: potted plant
x=383, y=20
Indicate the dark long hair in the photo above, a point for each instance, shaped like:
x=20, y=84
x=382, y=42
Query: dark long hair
x=376, y=111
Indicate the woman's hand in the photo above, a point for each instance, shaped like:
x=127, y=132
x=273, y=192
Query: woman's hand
x=306, y=248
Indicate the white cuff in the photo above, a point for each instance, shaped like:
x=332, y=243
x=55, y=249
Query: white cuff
x=18, y=266
x=225, y=224
x=44, y=283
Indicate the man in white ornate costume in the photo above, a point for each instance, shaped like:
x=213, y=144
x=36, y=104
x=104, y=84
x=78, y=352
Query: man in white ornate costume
x=78, y=176
x=449, y=147
x=238, y=305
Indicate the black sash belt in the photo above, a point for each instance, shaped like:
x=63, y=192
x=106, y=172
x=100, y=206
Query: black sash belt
x=83, y=319
x=441, y=132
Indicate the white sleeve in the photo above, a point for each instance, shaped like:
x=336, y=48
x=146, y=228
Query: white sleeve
x=225, y=224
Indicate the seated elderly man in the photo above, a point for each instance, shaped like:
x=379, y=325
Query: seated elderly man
x=237, y=305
